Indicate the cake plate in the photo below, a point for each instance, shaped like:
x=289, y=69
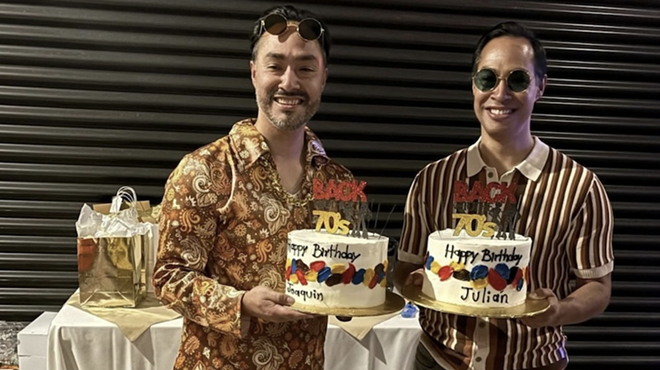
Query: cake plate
x=393, y=303
x=531, y=307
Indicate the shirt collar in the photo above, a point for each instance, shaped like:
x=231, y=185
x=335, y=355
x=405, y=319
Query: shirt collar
x=250, y=145
x=531, y=167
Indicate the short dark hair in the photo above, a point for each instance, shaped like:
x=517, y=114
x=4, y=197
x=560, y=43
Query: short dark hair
x=513, y=29
x=291, y=13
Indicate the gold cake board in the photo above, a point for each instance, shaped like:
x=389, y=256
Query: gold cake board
x=531, y=307
x=393, y=303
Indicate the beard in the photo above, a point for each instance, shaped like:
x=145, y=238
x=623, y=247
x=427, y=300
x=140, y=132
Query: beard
x=288, y=120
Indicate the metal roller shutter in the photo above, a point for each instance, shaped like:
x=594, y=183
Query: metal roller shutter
x=98, y=94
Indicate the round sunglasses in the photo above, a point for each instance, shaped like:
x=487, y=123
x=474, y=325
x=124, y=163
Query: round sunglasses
x=309, y=29
x=487, y=79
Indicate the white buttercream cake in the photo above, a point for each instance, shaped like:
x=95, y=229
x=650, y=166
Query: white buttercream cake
x=476, y=271
x=336, y=271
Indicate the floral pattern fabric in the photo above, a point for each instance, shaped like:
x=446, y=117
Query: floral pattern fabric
x=223, y=231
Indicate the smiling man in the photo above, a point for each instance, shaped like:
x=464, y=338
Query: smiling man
x=228, y=207
x=561, y=205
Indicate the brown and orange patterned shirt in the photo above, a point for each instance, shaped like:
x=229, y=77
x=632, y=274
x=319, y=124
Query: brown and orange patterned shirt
x=223, y=230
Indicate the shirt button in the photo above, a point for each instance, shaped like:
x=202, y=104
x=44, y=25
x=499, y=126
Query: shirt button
x=478, y=359
x=482, y=325
x=490, y=175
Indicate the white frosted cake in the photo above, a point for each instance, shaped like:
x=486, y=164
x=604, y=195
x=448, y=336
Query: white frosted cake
x=476, y=271
x=336, y=271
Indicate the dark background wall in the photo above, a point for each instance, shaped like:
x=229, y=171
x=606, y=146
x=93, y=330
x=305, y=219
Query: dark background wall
x=98, y=94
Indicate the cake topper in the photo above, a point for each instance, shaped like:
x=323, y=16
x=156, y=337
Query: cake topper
x=341, y=207
x=490, y=211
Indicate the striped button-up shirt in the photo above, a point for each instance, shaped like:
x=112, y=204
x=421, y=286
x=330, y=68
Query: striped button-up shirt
x=565, y=210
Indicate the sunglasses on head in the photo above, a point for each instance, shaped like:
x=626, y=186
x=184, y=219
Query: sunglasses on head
x=487, y=79
x=309, y=29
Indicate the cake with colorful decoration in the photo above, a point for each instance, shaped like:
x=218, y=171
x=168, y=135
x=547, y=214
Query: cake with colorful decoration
x=340, y=264
x=336, y=271
x=477, y=271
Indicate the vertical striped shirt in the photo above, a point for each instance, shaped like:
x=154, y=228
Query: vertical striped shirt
x=565, y=210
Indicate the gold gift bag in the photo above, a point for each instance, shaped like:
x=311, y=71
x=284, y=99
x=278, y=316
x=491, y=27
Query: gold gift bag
x=111, y=265
x=111, y=271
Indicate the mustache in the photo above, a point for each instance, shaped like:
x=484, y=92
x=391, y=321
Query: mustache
x=298, y=93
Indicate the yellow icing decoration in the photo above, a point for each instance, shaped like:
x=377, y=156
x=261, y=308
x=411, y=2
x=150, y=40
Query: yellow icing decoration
x=368, y=275
x=311, y=275
x=293, y=278
x=435, y=267
x=288, y=263
x=479, y=283
x=338, y=268
x=456, y=266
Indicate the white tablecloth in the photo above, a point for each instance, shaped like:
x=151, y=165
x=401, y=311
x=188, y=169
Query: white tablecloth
x=78, y=340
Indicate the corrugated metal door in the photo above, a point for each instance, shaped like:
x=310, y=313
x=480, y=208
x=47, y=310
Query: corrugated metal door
x=98, y=94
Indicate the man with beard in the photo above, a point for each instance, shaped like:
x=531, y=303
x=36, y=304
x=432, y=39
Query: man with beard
x=228, y=207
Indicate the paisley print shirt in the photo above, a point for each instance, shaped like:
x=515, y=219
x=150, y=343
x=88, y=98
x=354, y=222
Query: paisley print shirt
x=223, y=231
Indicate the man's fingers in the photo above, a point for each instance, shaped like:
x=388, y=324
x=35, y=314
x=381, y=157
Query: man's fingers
x=541, y=293
x=282, y=314
x=415, y=278
x=281, y=299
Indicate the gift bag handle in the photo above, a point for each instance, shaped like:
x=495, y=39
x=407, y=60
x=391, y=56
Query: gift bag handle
x=124, y=193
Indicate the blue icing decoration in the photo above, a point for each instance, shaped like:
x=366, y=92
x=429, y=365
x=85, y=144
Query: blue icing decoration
x=324, y=274
x=479, y=272
x=358, y=277
x=520, y=285
x=380, y=277
x=293, y=266
x=428, y=262
x=503, y=270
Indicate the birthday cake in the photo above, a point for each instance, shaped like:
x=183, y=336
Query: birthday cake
x=330, y=270
x=482, y=262
x=476, y=271
x=340, y=264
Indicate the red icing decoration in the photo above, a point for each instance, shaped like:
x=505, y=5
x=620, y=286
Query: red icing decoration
x=301, y=277
x=373, y=281
x=445, y=272
x=288, y=273
x=495, y=280
x=317, y=265
x=347, y=276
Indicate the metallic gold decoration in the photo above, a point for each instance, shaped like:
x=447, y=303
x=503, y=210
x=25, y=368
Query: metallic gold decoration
x=393, y=303
x=531, y=307
x=111, y=271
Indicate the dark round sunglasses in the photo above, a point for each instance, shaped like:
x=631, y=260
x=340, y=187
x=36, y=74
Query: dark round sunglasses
x=487, y=79
x=309, y=29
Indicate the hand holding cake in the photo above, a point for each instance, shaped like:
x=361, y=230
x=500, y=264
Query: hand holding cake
x=551, y=316
x=271, y=306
